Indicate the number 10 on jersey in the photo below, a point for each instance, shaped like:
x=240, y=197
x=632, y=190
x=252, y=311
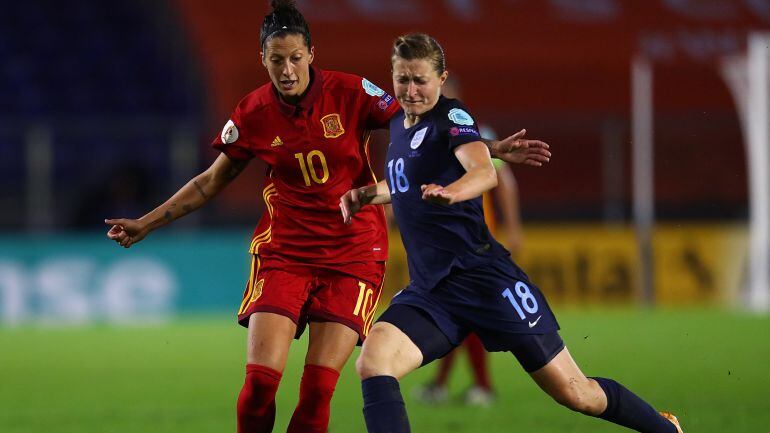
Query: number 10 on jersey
x=308, y=169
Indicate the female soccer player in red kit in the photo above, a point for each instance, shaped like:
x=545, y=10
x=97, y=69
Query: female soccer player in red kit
x=311, y=127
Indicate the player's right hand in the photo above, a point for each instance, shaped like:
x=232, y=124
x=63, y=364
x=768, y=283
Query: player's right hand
x=350, y=204
x=125, y=232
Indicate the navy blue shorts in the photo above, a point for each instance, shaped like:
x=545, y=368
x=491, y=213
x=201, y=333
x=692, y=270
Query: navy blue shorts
x=495, y=301
x=533, y=351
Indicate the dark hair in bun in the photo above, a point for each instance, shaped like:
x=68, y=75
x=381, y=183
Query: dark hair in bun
x=284, y=20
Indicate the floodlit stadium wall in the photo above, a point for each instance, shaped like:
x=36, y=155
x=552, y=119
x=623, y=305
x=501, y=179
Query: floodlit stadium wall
x=695, y=264
x=563, y=73
x=77, y=279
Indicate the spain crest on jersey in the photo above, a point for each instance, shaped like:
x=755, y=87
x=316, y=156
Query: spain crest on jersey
x=332, y=125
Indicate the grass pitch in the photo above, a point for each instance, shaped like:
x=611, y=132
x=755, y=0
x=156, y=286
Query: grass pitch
x=711, y=368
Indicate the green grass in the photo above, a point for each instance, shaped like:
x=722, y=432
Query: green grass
x=710, y=368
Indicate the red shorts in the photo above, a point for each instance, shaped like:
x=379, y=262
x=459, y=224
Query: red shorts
x=345, y=293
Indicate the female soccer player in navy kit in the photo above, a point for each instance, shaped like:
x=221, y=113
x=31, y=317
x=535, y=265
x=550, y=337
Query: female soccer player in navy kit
x=311, y=127
x=462, y=279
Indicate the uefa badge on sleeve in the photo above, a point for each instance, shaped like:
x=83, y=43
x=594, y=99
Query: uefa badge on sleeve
x=460, y=117
x=370, y=88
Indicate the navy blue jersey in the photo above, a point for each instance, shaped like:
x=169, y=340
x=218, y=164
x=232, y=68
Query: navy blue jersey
x=437, y=238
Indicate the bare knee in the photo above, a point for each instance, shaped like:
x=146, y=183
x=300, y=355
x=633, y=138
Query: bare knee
x=268, y=340
x=366, y=367
x=373, y=359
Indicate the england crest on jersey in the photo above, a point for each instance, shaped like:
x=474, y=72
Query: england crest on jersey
x=460, y=117
x=371, y=88
x=419, y=136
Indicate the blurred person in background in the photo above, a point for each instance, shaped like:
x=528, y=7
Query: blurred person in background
x=505, y=198
x=311, y=127
x=463, y=280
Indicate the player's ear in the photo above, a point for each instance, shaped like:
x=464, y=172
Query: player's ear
x=444, y=75
x=262, y=58
x=312, y=55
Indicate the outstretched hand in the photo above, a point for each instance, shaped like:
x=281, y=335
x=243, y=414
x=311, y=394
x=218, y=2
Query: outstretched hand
x=436, y=194
x=125, y=232
x=519, y=150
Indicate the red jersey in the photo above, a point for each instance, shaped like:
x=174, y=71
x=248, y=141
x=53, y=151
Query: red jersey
x=316, y=151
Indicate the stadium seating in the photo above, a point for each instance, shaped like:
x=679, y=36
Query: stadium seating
x=102, y=78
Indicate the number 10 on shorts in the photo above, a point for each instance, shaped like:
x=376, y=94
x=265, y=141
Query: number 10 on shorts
x=366, y=305
x=526, y=297
x=364, y=297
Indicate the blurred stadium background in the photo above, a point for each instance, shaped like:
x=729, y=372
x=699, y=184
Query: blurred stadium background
x=648, y=230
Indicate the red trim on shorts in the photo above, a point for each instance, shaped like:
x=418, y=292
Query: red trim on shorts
x=323, y=317
x=244, y=321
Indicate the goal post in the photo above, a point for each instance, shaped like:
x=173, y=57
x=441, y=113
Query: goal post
x=748, y=78
x=643, y=172
x=758, y=159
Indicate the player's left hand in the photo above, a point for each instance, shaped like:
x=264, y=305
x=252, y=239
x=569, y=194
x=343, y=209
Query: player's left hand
x=519, y=150
x=436, y=194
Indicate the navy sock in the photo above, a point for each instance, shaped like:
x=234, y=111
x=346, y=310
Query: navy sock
x=627, y=409
x=384, y=409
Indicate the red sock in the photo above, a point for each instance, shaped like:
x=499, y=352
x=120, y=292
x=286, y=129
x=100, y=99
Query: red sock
x=477, y=355
x=444, y=367
x=256, y=402
x=315, y=396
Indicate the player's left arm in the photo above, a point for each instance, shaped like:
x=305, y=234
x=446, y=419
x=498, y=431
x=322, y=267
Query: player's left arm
x=352, y=201
x=519, y=150
x=480, y=176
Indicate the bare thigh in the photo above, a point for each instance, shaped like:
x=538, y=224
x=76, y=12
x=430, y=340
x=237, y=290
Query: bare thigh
x=387, y=351
x=269, y=338
x=331, y=344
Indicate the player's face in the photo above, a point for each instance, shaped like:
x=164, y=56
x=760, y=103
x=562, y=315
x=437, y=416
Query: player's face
x=287, y=60
x=417, y=85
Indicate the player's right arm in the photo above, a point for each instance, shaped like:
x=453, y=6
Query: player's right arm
x=352, y=201
x=190, y=197
x=480, y=176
